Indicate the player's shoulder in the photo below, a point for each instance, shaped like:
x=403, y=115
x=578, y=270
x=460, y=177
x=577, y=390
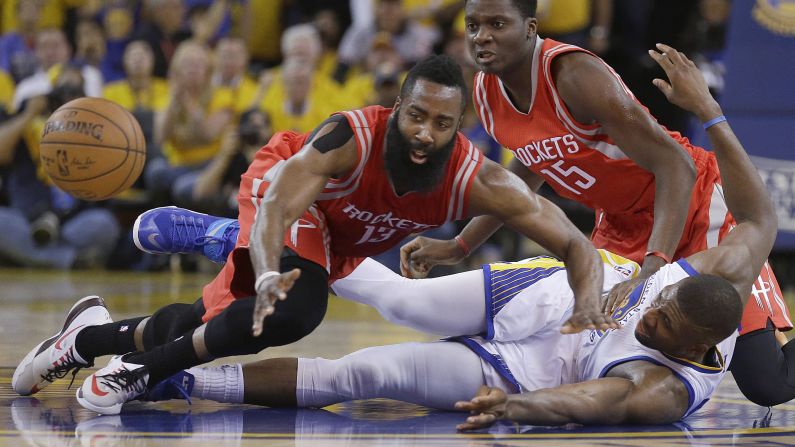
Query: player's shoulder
x=576, y=66
x=370, y=116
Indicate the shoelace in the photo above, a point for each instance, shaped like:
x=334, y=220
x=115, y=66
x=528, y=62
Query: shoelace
x=187, y=232
x=60, y=370
x=125, y=380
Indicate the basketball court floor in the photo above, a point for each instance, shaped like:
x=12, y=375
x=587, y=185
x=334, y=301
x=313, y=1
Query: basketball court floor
x=34, y=305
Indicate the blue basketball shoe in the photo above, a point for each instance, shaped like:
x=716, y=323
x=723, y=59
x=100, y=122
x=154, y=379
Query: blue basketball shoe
x=170, y=230
x=178, y=386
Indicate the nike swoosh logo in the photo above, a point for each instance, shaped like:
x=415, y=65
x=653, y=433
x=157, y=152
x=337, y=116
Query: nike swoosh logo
x=95, y=389
x=58, y=343
x=151, y=239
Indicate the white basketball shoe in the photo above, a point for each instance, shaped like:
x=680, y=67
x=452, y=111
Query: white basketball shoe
x=53, y=358
x=108, y=389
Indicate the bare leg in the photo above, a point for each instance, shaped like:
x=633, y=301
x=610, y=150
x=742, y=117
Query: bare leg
x=271, y=382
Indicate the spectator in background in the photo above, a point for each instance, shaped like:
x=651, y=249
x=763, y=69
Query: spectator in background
x=91, y=48
x=387, y=80
x=163, y=30
x=383, y=57
x=43, y=226
x=52, y=13
x=52, y=52
x=140, y=92
x=6, y=91
x=118, y=24
x=585, y=23
x=231, y=61
x=295, y=95
x=189, y=129
x=327, y=24
x=411, y=40
x=294, y=102
x=262, y=21
x=17, y=48
x=209, y=20
x=302, y=42
x=217, y=185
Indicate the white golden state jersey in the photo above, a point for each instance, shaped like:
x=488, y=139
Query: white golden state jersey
x=602, y=350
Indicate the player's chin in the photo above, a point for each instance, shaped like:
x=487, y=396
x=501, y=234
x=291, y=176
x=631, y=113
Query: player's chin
x=642, y=338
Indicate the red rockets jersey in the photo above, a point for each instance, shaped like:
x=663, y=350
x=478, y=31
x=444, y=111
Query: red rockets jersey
x=363, y=214
x=579, y=161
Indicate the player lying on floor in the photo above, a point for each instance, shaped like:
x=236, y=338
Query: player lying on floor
x=677, y=334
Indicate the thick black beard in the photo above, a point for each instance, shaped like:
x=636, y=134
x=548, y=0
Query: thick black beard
x=407, y=176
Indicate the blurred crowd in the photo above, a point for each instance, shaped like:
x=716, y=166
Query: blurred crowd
x=211, y=81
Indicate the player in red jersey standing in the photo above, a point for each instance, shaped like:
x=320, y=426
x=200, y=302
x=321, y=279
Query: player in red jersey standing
x=572, y=123
x=312, y=208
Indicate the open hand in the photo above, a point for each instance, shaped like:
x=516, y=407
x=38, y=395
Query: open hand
x=686, y=86
x=486, y=407
x=272, y=289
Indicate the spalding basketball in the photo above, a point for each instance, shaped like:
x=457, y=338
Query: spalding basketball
x=92, y=148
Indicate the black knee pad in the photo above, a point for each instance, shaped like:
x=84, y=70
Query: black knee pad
x=229, y=333
x=763, y=370
x=170, y=322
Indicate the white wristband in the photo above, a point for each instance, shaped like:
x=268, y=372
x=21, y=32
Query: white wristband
x=261, y=278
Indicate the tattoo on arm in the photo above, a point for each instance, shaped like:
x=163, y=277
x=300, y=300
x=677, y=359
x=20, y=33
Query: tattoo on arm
x=339, y=135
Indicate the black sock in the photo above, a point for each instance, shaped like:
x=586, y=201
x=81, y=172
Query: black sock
x=112, y=338
x=168, y=359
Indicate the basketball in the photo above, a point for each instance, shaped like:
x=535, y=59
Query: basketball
x=92, y=148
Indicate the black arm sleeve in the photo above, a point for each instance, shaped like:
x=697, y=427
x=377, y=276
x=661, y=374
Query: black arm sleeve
x=338, y=136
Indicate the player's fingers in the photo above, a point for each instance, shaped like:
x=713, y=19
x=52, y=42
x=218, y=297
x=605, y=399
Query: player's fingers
x=619, y=294
x=405, y=257
x=464, y=405
x=288, y=279
x=662, y=60
x=481, y=420
x=667, y=50
x=258, y=318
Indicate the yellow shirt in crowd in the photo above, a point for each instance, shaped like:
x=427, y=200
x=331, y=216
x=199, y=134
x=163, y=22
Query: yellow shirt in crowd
x=6, y=91
x=563, y=16
x=221, y=99
x=325, y=98
x=53, y=13
x=242, y=95
x=155, y=98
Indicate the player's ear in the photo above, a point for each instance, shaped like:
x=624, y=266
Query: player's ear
x=397, y=103
x=532, y=27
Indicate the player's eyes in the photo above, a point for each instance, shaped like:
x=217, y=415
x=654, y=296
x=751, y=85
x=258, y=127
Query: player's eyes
x=472, y=27
x=498, y=25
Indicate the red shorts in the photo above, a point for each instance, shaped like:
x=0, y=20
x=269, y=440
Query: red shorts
x=308, y=237
x=708, y=221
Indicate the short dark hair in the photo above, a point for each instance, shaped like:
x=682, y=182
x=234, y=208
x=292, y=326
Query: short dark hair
x=527, y=8
x=711, y=303
x=439, y=69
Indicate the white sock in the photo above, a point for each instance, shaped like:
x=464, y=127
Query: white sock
x=219, y=383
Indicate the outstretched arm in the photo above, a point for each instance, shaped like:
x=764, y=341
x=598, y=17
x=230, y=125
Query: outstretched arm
x=501, y=194
x=292, y=192
x=740, y=255
x=652, y=395
x=418, y=257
